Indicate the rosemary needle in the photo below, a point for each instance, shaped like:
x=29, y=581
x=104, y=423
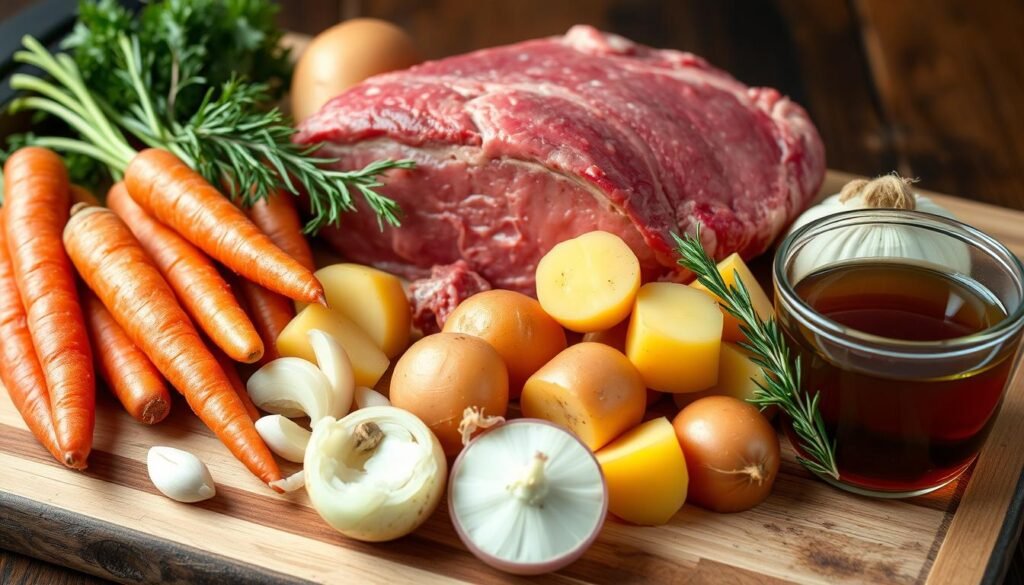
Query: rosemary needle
x=781, y=386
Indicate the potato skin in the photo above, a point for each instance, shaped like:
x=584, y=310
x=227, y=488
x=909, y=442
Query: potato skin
x=516, y=327
x=591, y=389
x=442, y=375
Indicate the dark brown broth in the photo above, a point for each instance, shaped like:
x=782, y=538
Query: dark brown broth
x=896, y=434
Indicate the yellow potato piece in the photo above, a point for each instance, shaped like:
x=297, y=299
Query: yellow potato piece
x=368, y=362
x=728, y=268
x=373, y=300
x=736, y=377
x=588, y=283
x=646, y=474
x=590, y=389
x=675, y=337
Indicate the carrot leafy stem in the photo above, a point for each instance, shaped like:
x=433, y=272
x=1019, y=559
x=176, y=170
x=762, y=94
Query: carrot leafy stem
x=781, y=385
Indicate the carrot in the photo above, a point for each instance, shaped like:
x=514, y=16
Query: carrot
x=271, y=312
x=231, y=371
x=37, y=201
x=80, y=194
x=20, y=371
x=117, y=269
x=277, y=217
x=181, y=199
x=205, y=295
x=127, y=371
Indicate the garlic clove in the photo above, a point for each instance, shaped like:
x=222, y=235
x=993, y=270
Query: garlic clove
x=365, y=397
x=337, y=368
x=376, y=474
x=284, y=437
x=291, y=387
x=179, y=475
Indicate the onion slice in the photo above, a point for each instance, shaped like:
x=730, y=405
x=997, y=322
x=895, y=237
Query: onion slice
x=527, y=497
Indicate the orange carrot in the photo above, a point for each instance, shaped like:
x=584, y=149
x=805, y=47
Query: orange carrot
x=37, y=201
x=80, y=194
x=231, y=371
x=117, y=269
x=181, y=199
x=20, y=371
x=202, y=291
x=277, y=217
x=270, y=313
x=127, y=371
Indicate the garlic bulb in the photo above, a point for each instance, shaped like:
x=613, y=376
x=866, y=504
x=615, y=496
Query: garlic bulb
x=878, y=241
x=179, y=475
x=376, y=474
x=527, y=497
x=284, y=437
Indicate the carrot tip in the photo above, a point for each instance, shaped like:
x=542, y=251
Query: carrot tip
x=155, y=412
x=321, y=300
x=75, y=460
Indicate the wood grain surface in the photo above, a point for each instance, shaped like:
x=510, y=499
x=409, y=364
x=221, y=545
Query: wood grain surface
x=110, y=521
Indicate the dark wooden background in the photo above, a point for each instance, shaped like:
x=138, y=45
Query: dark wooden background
x=931, y=88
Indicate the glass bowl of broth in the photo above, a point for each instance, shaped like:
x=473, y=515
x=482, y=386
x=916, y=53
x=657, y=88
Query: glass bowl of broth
x=908, y=324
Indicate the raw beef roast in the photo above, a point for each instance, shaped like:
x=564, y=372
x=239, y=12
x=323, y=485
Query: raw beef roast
x=523, y=146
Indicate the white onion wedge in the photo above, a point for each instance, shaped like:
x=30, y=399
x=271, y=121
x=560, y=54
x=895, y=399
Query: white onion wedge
x=292, y=387
x=366, y=397
x=285, y=438
x=337, y=368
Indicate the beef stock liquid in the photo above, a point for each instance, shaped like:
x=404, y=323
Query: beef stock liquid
x=893, y=432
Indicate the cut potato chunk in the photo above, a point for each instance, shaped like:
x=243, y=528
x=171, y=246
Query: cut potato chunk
x=646, y=473
x=737, y=377
x=590, y=389
x=373, y=300
x=516, y=327
x=588, y=283
x=729, y=268
x=675, y=337
x=368, y=361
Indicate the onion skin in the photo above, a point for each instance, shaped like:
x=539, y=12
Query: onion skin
x=731, y=451
x=526, y=569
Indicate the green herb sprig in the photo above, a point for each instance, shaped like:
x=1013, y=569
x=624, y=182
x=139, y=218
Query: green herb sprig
x=781, y=385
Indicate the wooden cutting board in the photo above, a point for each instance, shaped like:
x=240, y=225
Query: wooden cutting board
x=111, y=522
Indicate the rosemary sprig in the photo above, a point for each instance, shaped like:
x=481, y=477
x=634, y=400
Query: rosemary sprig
x=231, y=141
x=781, y=386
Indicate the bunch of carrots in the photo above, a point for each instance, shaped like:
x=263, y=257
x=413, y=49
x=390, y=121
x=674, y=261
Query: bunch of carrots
x=150, y=289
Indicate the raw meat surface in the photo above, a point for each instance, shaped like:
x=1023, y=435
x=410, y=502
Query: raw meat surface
x=435, y=297
x=523, y=146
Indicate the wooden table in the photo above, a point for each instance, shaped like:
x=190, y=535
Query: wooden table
x=934, y=90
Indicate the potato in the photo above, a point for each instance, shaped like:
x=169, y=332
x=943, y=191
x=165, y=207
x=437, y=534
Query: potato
x=736, y=377
x=515, y=325
x=646, y=473
x=614, y=337
x=728, y=268
x=368, y=362
x=588, y=283
x=372, y=299
x=675, y=337
x=590, y=389
x=442, y=375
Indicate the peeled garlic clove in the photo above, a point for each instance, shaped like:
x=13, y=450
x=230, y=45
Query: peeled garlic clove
x=285, y=438
x=365, y=397
x=376, y=474
x=336, y=367
x=179, y=475
x=292, y=387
